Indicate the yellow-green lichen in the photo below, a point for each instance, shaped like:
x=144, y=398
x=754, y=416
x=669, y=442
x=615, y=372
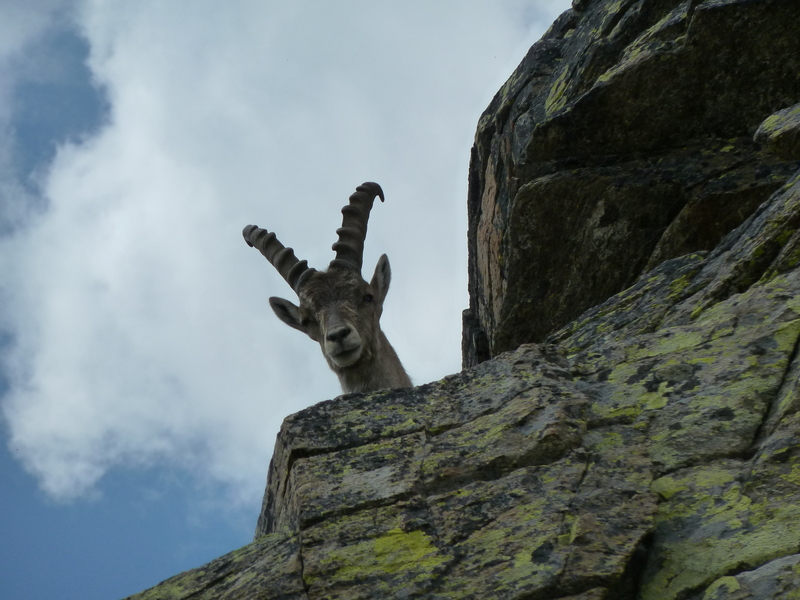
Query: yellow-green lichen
x=771, y=123
x=557, y=97
x=657, y=399
x=793, y=476
x=718, y=341
x=638, y=53
x=679, y=284
x=666, y=487
x=781, y=120
x=396, y=550
x=715, y=590
x=716, y=527
x=513, y=547
x=610, y=441
x=409, y=556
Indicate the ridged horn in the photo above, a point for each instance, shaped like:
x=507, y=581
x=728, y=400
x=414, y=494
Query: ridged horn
x=350, y=247
x=294, y=271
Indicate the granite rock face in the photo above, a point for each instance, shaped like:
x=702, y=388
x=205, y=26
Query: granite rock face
x=623, y=139
x=647, y=448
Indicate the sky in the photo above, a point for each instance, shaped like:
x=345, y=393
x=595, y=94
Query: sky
x=143, y=376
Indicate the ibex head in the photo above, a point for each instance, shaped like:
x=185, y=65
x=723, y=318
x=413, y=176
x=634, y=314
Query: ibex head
x=338, y=308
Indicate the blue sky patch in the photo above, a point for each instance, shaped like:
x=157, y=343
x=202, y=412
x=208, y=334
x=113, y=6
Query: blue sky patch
x=54, y=104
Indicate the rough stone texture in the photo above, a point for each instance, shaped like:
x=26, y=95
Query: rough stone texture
x=267, y=569
x=781, y=133
x=648, y=449
x=623, y=139
x=778, y=580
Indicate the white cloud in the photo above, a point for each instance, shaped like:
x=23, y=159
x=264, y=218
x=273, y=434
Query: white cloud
x=142, y=329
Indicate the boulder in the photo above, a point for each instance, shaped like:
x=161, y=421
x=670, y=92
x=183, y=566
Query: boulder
x=780, y=133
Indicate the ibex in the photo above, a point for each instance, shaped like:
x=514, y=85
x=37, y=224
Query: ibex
x=338, y=308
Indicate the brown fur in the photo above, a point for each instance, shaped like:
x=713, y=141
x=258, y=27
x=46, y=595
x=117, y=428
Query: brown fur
x=339, y=299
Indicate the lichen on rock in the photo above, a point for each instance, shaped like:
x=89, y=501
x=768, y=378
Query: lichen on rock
x=623, y=139
x=781, y=133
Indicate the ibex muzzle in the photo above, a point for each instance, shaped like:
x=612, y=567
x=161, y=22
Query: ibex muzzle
x=338, y=308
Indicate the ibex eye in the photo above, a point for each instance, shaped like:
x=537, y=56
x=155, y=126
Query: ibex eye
x=368, y=298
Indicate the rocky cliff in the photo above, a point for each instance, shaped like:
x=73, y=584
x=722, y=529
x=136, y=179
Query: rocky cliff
x=647, y=445
x=623, y=139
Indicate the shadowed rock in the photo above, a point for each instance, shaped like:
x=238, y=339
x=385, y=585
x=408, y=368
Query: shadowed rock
x=623, y=139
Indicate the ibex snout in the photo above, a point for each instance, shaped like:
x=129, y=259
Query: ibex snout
x=343, y=345
x=338, y=334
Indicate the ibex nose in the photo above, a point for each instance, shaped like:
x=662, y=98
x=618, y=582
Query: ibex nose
x=338, y=334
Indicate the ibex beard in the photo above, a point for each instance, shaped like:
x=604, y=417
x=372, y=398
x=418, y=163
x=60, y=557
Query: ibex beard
x=338, y=308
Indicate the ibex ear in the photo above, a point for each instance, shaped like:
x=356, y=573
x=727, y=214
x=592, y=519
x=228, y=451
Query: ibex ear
x=381, y=278
x=287, y=312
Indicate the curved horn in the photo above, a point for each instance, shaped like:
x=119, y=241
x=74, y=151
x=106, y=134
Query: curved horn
x=294, y=271
x=350, y=247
